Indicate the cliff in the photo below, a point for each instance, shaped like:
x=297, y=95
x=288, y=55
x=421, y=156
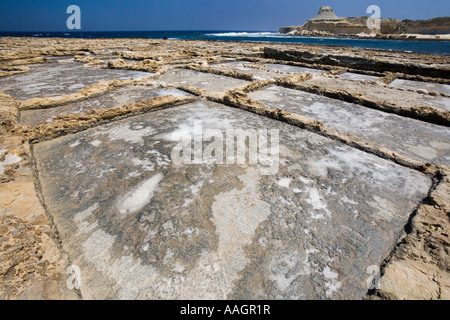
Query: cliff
x=354, y=26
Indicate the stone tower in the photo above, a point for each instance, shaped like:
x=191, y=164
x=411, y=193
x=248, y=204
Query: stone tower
x=326, y=13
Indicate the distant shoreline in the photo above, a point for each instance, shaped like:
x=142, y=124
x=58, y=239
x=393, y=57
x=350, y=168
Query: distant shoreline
x=326, y=23
x=391, y=37
x=424, y=45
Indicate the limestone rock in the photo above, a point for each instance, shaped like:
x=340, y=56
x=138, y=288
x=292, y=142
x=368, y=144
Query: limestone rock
x=327, y=21
x=407, y=280
x=47, y=289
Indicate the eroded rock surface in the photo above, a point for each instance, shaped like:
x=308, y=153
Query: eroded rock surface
x=59, y=77
x=412, y=138
x=90, y=180
x=109, y=99
x=309, y=231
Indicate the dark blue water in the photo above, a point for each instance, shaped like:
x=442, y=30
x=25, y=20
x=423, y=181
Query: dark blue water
x=432, y=47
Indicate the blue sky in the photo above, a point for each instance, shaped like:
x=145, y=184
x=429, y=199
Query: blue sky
x=146, y=15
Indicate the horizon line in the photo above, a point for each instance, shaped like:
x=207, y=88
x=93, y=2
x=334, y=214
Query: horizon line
x=180, y=30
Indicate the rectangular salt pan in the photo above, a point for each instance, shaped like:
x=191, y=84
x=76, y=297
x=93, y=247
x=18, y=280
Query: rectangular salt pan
x=292, y=69
x=205, y=81
x=152, y=229
x=419, y=85
x=58, y=78
x=110, y=99
x=415, y=139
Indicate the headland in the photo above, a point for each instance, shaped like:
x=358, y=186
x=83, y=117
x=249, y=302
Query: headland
x=326, y=23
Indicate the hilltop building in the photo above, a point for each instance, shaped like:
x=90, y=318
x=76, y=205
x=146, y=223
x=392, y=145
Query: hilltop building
x=326, y=13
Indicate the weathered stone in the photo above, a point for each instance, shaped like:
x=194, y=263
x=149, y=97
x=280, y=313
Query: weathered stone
x=289, y=229
x=422, y=87
x=61, y=77
x=405, y=281
x=205, y=81
x=414, y=139
x=141, y=226
x=109, y=99
x=46, y=289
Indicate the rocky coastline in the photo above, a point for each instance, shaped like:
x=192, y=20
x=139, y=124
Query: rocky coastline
x=326, y=24
x=363, y=182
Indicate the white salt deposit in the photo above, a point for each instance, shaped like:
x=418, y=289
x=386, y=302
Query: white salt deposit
x=285, y=182
x=332, y=284
x=73, y=145
x=9, y=160
x=96, y=143
x=140, y=196
x=318, y=203
x=146, y=164
x=170, y=91
x=124, y=132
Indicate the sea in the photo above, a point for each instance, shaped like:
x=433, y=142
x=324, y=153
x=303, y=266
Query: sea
x=429, y=46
